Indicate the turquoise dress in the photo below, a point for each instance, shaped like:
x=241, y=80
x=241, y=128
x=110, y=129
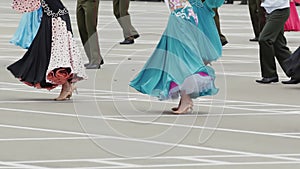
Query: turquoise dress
x=178, y=63
x=27, y=29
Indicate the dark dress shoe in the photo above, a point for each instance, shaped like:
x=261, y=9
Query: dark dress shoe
x=93, y=66
x=267, y=80
x=224, y=42
x=254, y=39
x=101, y=63
x=228, y=2
x=127, y=42
x=136, y=36
x=291, y=81
x=86, y=64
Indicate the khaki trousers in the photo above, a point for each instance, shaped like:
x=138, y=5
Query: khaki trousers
x=120, y=8
x=87, y=19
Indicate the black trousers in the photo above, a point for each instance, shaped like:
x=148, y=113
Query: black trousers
x=273, y=44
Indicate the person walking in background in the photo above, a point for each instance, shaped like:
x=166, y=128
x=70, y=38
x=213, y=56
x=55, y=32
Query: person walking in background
x=272, y=42
x=52, y=58
x=258, y=19
x=120, y=9
x=87, y=20
x=178, y=65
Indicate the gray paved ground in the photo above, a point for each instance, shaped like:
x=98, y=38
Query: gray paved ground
x=108, y=125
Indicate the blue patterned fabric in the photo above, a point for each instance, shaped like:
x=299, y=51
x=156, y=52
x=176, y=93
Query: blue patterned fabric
x=190, y=39
x=27, y=29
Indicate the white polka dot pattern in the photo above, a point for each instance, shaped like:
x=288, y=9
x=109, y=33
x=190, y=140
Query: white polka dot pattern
x=64, y=51
x=26, y=5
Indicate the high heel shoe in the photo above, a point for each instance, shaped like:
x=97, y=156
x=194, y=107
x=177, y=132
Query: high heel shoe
x=186, y=109
x=64, y=96
x=176, y=108
x=73, y=88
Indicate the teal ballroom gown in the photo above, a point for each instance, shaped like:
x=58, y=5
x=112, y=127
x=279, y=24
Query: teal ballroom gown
x=178, y=63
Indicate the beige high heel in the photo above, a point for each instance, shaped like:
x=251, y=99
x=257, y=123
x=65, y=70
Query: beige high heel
x=61, y=94
x=64, y=95
x=176, y=108
x=186, y=109
x=73, y=88
x=186, y=101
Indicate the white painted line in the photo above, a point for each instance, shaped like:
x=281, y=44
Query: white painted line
x=139, y=94
x=47, y=138
x=154, y=123
x=204, y=115
x=292, y=133
x=114, y=163
x=155, y=142
x=146, y=158
x=188, y=165
x=204, y=160
x=45, y=130
x=21, y=165
x=127, y=98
